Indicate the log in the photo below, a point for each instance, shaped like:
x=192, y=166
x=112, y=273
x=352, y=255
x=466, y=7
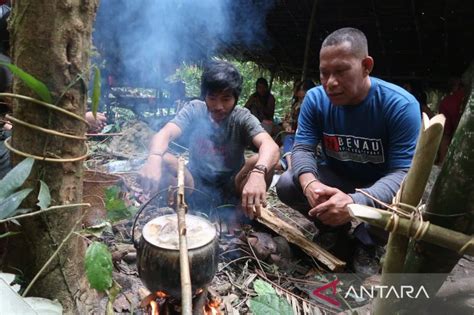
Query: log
x=293, y=235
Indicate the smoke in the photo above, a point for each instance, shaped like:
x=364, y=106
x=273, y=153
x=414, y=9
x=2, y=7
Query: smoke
x=143, y=41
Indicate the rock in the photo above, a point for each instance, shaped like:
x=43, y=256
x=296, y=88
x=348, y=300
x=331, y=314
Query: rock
x=130, y=258
x=263, y=244
x=283, y=247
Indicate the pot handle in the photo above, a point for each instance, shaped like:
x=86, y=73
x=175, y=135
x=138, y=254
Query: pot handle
x=142, y=207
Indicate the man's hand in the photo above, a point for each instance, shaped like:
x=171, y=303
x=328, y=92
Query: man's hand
x=96, y=124
x=150, y=174
x=254, y=194
x=7, y=126
x=333, y=210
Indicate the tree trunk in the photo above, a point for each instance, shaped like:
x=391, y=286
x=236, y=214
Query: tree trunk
x=51, y=40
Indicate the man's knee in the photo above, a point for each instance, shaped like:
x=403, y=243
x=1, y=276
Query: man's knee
x=286, y=187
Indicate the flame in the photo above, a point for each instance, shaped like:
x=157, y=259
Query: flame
x=154, y=308
x=161, y=294
x=212, y=307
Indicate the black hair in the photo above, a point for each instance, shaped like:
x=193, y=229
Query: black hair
x=353, y=36
x=218, y=76
x=305, y=85
x=4, y=34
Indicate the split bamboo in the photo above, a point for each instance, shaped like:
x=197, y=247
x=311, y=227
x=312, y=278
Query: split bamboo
x=433, y=234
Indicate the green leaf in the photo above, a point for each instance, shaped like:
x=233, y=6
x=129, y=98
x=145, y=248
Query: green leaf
x=108, y=128
x=12, y=202
x=99, y=266
x=37, y=86
x=270, y=304
x=116, y=208
x=97, y=230
x=15, y=178
x=262, y=287
x=44, y=197
x=8, y=234
x=112, y=192
x=96, y=91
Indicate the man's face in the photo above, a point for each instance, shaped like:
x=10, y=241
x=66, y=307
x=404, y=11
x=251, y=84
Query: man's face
x=344, y=75
x=220, y=104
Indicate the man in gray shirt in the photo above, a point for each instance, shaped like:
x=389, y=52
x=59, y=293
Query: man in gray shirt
x=218, y=133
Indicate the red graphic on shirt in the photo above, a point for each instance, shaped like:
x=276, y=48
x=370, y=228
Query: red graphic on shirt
x=331, y=143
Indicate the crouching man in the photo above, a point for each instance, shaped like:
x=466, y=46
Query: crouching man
x=368, y=130
x=218, y=133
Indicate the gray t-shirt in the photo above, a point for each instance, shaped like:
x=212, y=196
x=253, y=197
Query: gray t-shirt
x=216, y=151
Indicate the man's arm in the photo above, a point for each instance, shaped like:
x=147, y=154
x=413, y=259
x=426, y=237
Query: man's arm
x=303, y=160
x=150, y=173
x=384, y=189
x=268, y=151
x=254, y=192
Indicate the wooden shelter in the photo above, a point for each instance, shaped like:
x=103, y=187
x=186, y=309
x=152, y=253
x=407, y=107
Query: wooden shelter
x=409, y=39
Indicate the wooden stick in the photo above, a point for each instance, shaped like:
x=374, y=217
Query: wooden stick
x=434, y=234
x=186, y=288
x=295, y=236
x=112, y=134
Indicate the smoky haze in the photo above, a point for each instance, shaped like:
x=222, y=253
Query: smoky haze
x=143, y=41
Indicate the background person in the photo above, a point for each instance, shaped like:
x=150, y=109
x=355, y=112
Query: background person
x=292, y=125
x=262, y=104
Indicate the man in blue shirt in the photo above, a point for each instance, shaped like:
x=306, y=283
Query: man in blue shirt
x=367, y=129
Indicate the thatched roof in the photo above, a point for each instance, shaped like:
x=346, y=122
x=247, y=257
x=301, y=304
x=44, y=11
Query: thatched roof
x=144, y=41
x=409, y=39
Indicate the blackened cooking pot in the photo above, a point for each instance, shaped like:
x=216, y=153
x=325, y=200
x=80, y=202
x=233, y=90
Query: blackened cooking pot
x=158, y=253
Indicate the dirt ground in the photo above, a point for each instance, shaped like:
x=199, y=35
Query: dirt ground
x=249, y=252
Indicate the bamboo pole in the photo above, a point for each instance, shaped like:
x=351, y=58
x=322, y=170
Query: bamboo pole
x=433, y=234
x=450, y=205
x=308, y=40
x=413, y=187
x=186, y=288
x=410, y=193
x=295, y=236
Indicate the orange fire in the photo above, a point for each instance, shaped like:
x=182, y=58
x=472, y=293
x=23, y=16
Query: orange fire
x=151, y=302
x=212, y=308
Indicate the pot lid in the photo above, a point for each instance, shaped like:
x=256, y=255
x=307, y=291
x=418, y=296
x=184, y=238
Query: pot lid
x=163, y=231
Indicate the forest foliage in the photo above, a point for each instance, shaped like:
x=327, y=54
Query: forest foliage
x=282, y=89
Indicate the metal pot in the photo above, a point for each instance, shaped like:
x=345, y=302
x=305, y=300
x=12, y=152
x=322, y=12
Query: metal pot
x=158, y=253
